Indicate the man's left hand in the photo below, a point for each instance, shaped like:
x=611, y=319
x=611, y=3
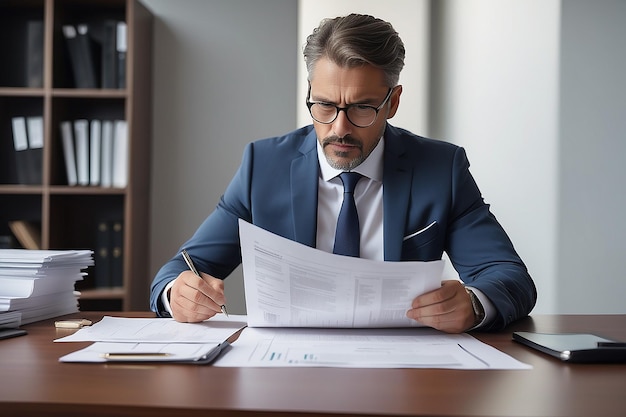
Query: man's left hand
x=447, y=308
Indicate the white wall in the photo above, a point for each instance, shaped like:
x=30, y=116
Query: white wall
x=494, y=91
x=224, y=75
x=535, y=91
x=592, y=194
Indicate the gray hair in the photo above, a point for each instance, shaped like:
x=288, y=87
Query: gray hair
x=356, y=40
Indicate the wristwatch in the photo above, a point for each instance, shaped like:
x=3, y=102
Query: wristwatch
x=479, y=311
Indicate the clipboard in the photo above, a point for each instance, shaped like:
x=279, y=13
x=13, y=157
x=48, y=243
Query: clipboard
x=187, y=353
x=575, y=347
x=204, y=358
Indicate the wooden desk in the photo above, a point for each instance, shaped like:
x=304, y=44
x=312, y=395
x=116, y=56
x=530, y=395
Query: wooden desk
x=33, y=382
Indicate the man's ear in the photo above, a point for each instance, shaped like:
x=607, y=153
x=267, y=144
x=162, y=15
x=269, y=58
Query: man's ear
x=394, y=101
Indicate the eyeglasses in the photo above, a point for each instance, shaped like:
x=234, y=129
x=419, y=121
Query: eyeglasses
x=360, y=115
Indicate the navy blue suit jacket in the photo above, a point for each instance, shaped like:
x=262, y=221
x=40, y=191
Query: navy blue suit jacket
x=424, y=181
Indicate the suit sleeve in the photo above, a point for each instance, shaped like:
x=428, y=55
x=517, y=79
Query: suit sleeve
x=214, y=246
x=482, y=253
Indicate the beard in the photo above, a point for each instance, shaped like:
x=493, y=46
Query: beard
x=339, y=159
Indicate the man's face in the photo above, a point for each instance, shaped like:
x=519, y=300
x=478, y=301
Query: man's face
x=346, y=145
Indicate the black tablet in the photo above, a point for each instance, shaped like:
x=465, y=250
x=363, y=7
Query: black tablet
x=575, y=347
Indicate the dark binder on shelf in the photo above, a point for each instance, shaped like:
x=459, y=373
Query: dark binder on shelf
x=34, y=54
x=6, y=242
x=109, y=54
x=121, y=45
x=102, y=255
x=117, y=253
x=83, y=54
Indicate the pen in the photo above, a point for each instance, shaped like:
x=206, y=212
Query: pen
x=134, y=355
x=191, y=266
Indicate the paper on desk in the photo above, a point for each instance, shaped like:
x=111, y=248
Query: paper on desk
x=288, y=284
x=363, y=348
x=158, y=330
x=176, y=352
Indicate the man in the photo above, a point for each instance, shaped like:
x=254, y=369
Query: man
x=415, y=197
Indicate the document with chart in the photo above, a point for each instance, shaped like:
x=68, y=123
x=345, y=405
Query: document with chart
x=288, y=284
x=363, y=348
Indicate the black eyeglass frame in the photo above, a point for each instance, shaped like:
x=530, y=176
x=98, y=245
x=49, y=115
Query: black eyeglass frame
x=338, y=109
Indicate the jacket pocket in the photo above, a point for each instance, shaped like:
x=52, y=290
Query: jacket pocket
x=422, y=244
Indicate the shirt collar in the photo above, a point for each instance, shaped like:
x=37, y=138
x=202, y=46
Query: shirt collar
x=372, y=167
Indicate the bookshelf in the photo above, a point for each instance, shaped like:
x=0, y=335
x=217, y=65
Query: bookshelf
x=68, y=216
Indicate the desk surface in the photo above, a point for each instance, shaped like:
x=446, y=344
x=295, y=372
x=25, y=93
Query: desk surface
x=33, y=382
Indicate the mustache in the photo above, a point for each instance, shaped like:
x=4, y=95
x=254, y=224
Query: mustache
x=346, y=140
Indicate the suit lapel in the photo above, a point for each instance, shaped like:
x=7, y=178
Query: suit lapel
x=396, y=193
x=304, y=179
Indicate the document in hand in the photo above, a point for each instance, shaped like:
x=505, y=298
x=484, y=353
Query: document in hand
x=153, y=340
x=288, y=284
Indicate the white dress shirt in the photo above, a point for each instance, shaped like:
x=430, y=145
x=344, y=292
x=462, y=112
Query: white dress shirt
x=368, y=196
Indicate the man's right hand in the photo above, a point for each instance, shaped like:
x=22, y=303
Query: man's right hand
x=194, y=299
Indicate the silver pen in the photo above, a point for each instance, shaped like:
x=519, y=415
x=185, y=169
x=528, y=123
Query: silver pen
x=134, y=356
x=191, y=266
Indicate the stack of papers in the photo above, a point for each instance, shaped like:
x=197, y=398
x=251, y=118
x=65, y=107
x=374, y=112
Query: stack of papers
x=39, y=284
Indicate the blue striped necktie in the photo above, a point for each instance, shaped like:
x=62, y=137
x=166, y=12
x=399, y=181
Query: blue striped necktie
x=348, y=235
